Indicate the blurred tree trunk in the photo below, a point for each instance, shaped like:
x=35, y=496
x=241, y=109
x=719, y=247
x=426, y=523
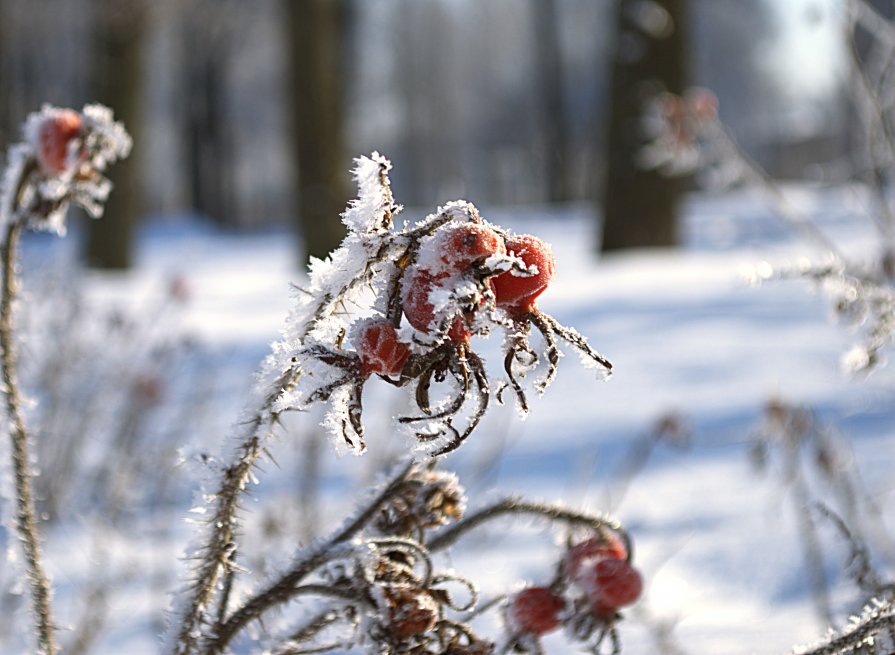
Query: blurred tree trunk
x=117, y=83
x=5, y=96
x=207, y=136
x=316, y=36
x=551, y=93
x=640, y=206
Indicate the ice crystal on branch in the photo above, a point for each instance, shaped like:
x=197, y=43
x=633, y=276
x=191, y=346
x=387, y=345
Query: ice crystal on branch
x=403, y=304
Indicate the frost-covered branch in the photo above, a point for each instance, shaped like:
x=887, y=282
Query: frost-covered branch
x=26, y=519
x=60, y=162
x=422, y=292
x=515, y=506
x=871, y=633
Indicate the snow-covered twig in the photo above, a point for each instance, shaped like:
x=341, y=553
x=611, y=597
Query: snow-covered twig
x=515, y=506
x=61, y=161
x=437, y=276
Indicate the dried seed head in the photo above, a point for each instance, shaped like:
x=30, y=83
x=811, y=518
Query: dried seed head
x=411, y=611
x=426, y=499
x=478, y=647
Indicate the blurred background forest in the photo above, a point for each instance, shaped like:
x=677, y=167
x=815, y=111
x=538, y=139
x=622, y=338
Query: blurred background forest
x=248, y=113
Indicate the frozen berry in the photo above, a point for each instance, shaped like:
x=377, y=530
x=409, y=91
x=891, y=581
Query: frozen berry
x=610, y=584
x=607, y=545
x=419, y=287
x=378, y=346
x=54, y=135
x=535, y=610
x=459, y=245
x=515, y=292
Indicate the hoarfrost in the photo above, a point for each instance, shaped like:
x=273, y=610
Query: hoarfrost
x=374, y=208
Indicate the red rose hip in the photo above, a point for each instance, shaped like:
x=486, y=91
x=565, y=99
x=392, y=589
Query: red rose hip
x=610, y=584
x=517, y=293
x=605, y=546
x=417, y=288
x=460, y=245
x=54, y=135
x=378, y=347
x=535, y=610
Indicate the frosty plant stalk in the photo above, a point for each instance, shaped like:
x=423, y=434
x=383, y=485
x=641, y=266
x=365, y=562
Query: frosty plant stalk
x=59, y=162
x=437, y=286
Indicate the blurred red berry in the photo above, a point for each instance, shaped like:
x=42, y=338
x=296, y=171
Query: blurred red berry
x=605, y=546
x=703, y=103
x=54, y=135
x=610, y=584
x=535, y=610
x=460, y=245
x=517, y=293
x=378, y=346
x=150, y=389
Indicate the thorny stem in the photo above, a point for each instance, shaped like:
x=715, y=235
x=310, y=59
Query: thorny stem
x=447, y=537
x=852, y=638
x=216, y=552
x=286, y=587
x=317, y=624
x=214, y=560
x=26, y=519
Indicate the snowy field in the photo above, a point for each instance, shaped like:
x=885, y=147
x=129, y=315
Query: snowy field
x=718, y=544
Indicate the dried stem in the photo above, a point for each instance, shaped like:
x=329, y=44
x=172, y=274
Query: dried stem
x=857, y=636
x=285, y=588
x=26, y=519
x=224, y=523
x=786, y=211
x=449, y=536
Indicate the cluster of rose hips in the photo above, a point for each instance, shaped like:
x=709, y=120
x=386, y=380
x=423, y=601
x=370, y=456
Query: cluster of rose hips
x=461, y=280
x=594, y=581
x=677, y=126
x=390, y=576
x=684, y=114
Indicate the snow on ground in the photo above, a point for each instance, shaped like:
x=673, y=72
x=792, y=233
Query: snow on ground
x=716, y=542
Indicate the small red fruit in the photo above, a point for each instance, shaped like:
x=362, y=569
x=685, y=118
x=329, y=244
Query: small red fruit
x=535, y=610
x=517, y=293
x=610, y=584
x=417, y=287
x=605, y=546
x=462, y=244
x=54, y=135
x=378, y=346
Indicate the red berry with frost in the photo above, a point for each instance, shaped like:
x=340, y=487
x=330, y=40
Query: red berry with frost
x=459, y=245
x=610, y=584
x=535, y=610
x=417, y=288
x=604, y=546
x=378, y=347
x=54, y=135
x=517, y=293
